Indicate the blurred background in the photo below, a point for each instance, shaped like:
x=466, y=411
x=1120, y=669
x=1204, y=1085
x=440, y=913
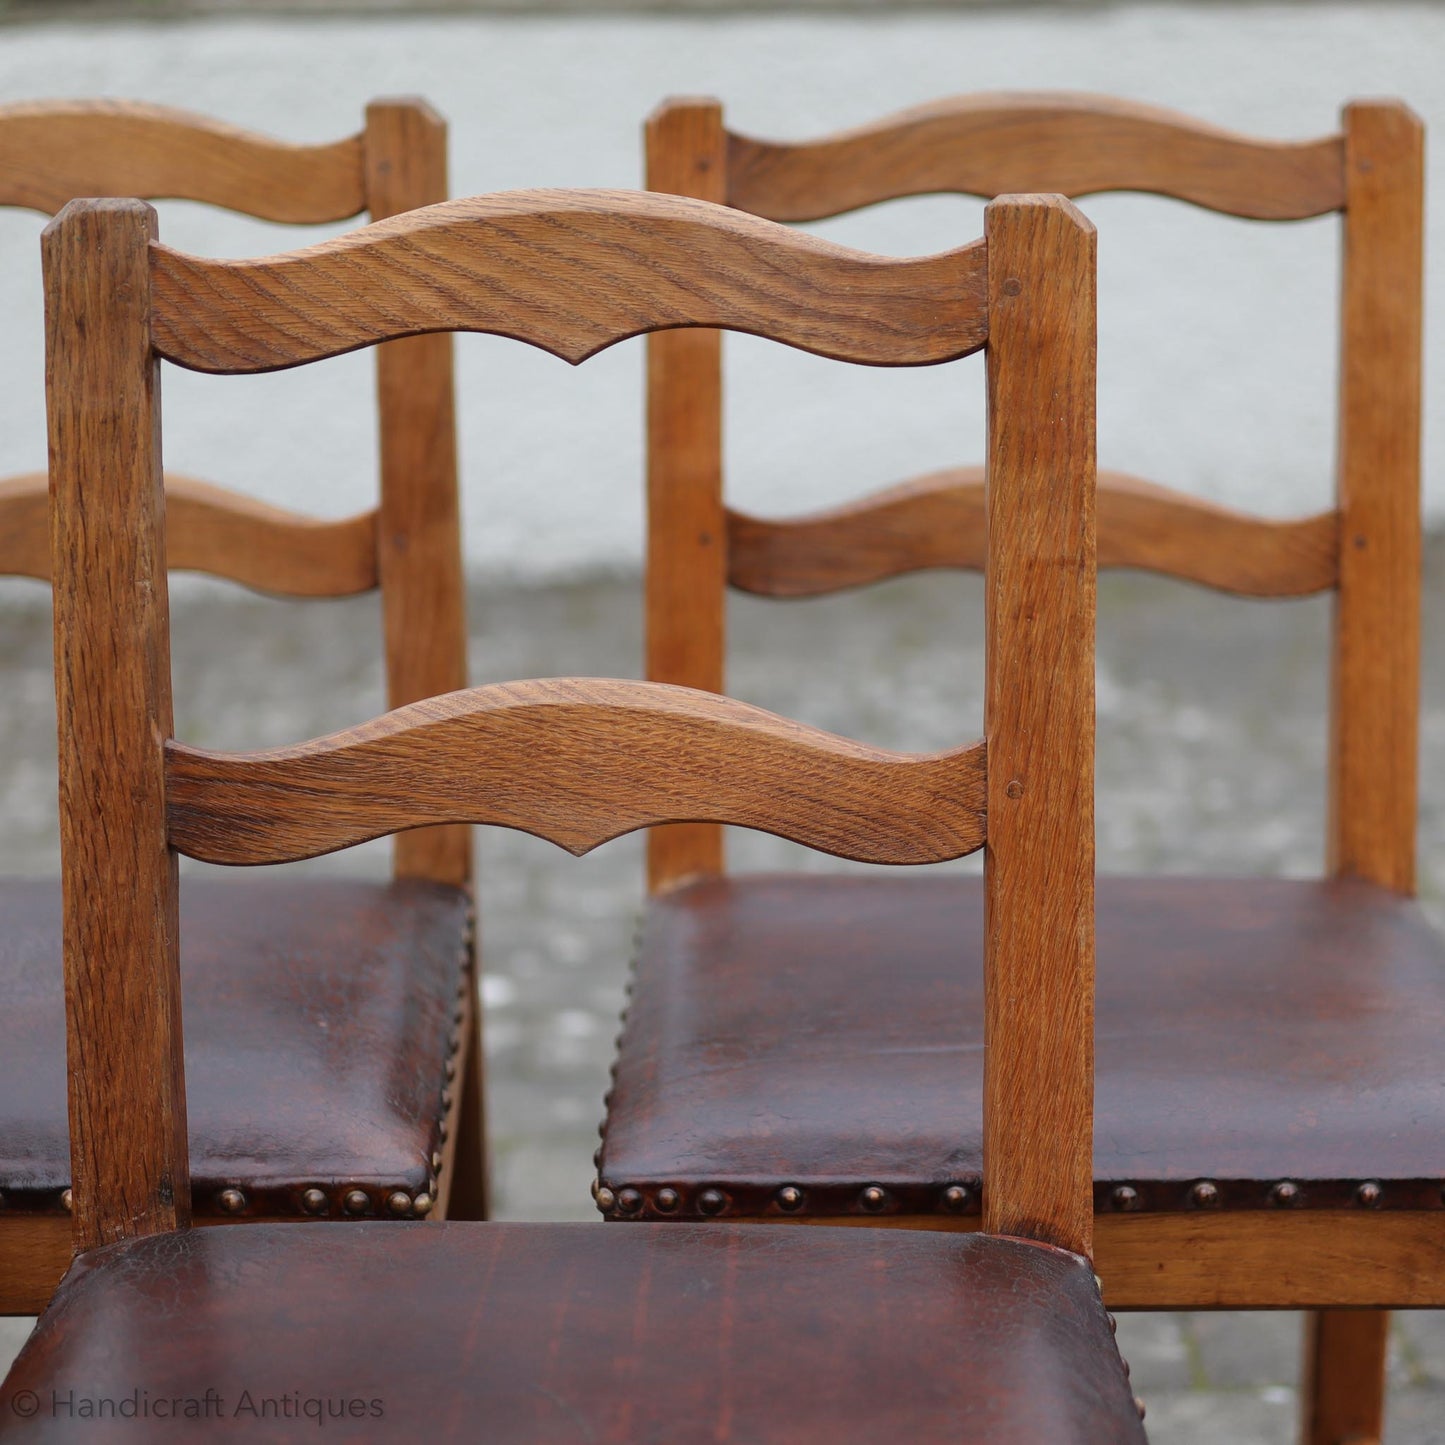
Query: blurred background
x=1217, y=375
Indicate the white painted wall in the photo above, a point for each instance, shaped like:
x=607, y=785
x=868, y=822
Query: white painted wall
x=1217, y=336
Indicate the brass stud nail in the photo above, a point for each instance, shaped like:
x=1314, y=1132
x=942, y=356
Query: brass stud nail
x=1015, y=788
x=1113, y=1323
x=446, y=1098
x=1126, y=1198
x=399, y=1203
x=955, y=1198
x=629, y=1201
x=357, y=1201
x=421, y=1205
x=1099, y=1284
x=436, y=1160
x=67, y=1200
x=1012, y=286
x=790, y=1197
x=314, y=1201
x=1139, y=1406
x=597, y=1155
x=232, y=1201
x=1125, y=1364
x=1368, y=1194
x=451, y=1069
x=873, y=1198
x=1205, y=1194
x=605, y=1200
x=595, y=1186
x=667, y=1201
x=602, y=1129
x=712, y=1201
x=1284, y=1194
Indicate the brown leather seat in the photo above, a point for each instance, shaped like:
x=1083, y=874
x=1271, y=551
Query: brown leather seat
x=535, y=1333
x=826, y=1034
x=319, y=1018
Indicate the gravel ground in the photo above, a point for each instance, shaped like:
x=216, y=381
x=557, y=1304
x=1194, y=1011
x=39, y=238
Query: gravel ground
x=1211, y=759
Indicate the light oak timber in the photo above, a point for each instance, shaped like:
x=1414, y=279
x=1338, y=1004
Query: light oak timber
x=562, y=270
x=1038, y=1083
x=419, y=533
x=1346, y=1356
x=129, y=1164
x=1077, y=145
x=35, y=1250
x=1374, y=717
x=688, y=547
x=1306, y=1259
x=211, y=529
x=578, y=761
x=1376, y=683
x=936, y=521
x=52, y=151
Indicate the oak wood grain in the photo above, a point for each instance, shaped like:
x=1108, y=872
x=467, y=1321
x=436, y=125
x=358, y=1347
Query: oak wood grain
x=1374, y=717
x=1376, y=657
x=936, y=521
x=214, y=530
x=52, y=151
x=571, y=272
x=35, y=1250
x=577, y=761
x=687, y=541
x=113, y=697
x=1345, y=1359
x=1253, y=1259
x=1039, y=724
x=419, y=535
x=1077, y=145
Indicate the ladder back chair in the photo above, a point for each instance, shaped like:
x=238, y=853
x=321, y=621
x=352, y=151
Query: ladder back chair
x=1271, y=1122
x=545, y=1331
x=327, y=1076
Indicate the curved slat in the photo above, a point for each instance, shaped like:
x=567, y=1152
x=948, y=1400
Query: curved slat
x=937, y=521
x=577, y=761
x=53, y=151
x=270, y=549
x=571, y=272
x=984, y=145
x=209, y=529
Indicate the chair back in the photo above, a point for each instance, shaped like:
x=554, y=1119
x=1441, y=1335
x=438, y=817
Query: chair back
x=409, y=546
x=577, y=761
x=1366, y=549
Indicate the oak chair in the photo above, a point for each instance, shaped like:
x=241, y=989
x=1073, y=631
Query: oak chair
x=1271, y=1122
x=327, y=1074
x=540, y=1332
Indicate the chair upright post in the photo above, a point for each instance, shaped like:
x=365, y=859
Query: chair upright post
x=1039, y=724
x=418, y=541
x=1374, y=716
x=686, y=575
x=113, y=694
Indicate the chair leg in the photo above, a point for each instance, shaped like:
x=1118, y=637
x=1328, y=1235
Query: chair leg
x=1342, y=1394
x=471, y=1187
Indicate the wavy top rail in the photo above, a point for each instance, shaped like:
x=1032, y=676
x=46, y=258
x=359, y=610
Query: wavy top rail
x=577, y=761
x=213, y=530
x=571, y=272
x=53, y=151
x=1078, y=145
x=937, y=521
